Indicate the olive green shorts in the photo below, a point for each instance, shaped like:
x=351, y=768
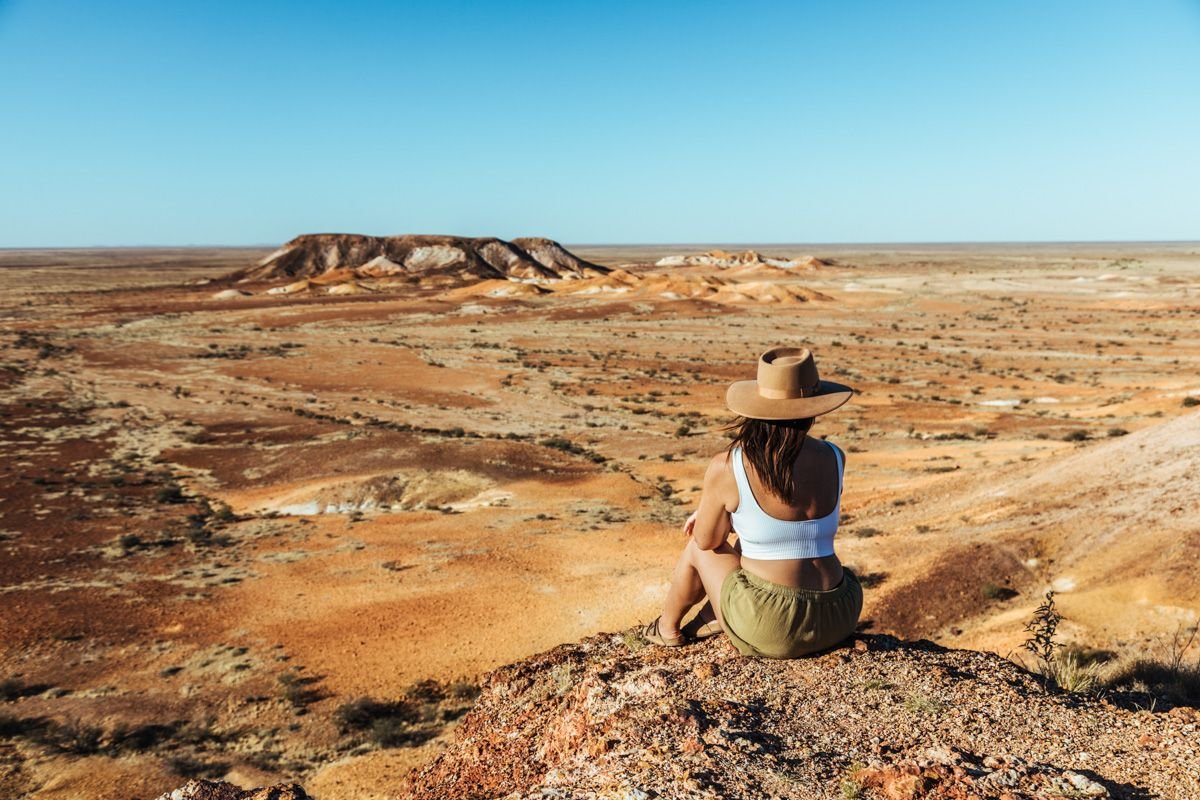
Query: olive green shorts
x=772, y=621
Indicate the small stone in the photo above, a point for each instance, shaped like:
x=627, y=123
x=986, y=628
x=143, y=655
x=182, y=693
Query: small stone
x=706, y=671
x=1084, y=785
x=861, y=646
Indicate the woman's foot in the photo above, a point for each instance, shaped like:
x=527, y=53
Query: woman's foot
x=655, y=633
x=701, y=629
x=704, y=624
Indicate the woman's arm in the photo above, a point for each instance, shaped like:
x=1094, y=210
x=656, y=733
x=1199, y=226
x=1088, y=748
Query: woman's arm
x=710, y=526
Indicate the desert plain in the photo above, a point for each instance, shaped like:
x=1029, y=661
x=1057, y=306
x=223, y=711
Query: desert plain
x=227, y=514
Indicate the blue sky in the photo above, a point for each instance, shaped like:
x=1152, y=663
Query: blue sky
x=593, y=122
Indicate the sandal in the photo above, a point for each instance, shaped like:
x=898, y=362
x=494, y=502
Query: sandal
x=652, y=635
x=702, y=630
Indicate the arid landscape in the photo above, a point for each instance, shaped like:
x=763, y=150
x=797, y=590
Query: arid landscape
x=252, y=500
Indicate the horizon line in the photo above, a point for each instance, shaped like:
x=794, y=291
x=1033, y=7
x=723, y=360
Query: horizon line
x=697, y=243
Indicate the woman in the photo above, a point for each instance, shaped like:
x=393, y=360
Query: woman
x=780, y=592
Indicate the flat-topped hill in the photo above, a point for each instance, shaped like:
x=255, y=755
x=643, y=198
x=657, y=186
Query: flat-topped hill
x=315, y=254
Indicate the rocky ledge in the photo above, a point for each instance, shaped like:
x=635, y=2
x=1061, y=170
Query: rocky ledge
x=878, y=718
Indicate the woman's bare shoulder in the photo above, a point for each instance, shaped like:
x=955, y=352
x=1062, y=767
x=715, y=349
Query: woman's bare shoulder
x=719, y=462
x=719, y=469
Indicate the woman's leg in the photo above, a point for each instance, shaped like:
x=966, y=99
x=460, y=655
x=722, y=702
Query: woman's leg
x=706, y=614
x=697, y=573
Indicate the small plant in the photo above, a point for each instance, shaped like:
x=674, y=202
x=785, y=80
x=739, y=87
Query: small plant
x=1190, y=402
x=924, y=705
x=1115, y=432
x=564, y=678
x=1041, y=631
x=1073, y=675
x=632, y=641
x=852, y=789
x=1076, y=436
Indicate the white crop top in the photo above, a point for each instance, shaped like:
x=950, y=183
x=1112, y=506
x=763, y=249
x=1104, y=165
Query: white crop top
x=767, y=538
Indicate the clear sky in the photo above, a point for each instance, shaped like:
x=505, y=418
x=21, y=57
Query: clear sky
x=128, y=122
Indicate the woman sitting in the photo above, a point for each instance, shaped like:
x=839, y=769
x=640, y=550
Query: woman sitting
x=780, y=591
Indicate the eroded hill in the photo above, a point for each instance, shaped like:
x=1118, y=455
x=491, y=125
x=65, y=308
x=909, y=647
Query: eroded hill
x=315, y=254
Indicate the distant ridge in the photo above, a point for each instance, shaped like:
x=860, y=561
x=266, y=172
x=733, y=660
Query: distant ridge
x=749, y=259
x=314, y=254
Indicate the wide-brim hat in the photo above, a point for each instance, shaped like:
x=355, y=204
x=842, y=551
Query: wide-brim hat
x=788, y=387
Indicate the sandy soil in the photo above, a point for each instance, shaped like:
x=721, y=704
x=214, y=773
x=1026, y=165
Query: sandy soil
x=229, y=517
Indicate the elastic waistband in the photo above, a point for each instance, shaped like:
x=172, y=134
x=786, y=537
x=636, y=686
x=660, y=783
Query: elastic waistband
x=770, y=587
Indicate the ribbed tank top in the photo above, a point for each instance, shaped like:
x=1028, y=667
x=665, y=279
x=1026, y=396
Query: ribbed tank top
x=765, y=537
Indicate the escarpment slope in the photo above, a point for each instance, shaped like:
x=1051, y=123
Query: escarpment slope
x=1110, y=527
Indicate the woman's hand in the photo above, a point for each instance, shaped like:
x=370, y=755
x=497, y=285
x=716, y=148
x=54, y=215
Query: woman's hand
x=690, y=524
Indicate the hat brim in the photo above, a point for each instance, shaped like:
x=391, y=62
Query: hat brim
x=743, y=399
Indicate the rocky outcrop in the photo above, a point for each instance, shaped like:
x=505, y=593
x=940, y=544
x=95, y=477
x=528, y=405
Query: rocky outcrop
x=881, y=718
x=313, y=255
x=878, y=718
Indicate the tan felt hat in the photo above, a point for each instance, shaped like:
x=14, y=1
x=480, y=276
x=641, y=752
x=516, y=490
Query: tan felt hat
x=788, y=387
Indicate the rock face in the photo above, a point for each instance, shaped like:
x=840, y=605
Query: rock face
x=608, y=717
x=749, y=258
x=313, y=255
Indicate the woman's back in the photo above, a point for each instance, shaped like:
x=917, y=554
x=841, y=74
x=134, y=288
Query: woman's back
x=790, y=541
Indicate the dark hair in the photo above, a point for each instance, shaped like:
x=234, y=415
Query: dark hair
x=772, y=447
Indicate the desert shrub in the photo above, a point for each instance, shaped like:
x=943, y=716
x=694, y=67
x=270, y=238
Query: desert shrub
x=1171, y=677
x=299, y=690
x=128, y=542
x=1179, y=685
x=189, y=767
x=362, y=713
x=171, y=493
x=1115, y=432
x=422, y=713
x=1076, y=436
x=559, y=443
x=1190, y=402
x=138, y=738
x=13, y=688
x=75, y=737
x=869, y=579
x=14, y=727
x=994, y=591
